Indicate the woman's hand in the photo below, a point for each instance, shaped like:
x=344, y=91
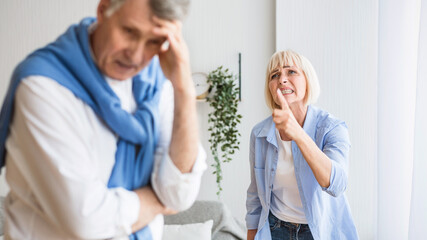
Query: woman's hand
x=285, y=120
x=251, y=234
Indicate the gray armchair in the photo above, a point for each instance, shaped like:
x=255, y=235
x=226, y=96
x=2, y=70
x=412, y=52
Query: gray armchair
x=225, y=226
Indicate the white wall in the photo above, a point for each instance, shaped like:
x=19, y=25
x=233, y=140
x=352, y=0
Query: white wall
x=216, y=31
x=341, y=40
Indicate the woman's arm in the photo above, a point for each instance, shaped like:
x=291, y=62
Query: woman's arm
x=329, y=165
x=319, y=163
x=290, y=128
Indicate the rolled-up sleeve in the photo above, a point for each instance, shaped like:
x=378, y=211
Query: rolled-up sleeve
x=174, y=189
x=177, y=190
x=253, y=204
x=337, y=146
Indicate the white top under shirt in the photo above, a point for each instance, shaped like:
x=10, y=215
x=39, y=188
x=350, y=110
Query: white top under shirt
x=285, y=201
x=60, y=155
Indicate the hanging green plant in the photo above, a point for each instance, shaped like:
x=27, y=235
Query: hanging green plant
x=223, y=119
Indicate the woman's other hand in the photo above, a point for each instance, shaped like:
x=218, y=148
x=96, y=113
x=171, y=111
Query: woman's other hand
x=251, y=234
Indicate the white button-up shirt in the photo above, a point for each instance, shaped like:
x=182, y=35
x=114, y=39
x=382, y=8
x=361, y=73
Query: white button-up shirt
x=60, y=155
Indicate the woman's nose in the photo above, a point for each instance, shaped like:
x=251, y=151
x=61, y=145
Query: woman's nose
x=283, y=79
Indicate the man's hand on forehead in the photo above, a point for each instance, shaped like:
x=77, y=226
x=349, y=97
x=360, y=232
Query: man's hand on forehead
x=165, y=27
x=173, y=55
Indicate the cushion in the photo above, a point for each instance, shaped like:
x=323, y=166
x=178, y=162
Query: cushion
x=193, y=231
x=225, y=226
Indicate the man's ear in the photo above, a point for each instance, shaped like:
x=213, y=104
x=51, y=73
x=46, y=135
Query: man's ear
x=102, y=9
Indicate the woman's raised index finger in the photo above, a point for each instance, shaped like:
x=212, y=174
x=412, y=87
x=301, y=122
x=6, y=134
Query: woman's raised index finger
x=283, y=103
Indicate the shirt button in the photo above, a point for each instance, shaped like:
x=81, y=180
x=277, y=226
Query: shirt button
x=272, y=169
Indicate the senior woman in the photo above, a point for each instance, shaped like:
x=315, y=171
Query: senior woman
x=299, y=161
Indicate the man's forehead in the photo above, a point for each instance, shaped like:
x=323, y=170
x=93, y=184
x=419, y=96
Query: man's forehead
x=137, y=9
x=139, y=16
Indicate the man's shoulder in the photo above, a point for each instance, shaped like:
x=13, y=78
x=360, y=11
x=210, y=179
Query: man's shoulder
x=52, y=107
x=46, y=91
x=42, y=85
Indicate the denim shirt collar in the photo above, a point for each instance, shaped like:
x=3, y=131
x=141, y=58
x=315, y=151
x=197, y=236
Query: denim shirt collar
x=269, y=131
x=310, y=122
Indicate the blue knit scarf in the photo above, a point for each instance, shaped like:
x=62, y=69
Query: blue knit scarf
x=68, y=61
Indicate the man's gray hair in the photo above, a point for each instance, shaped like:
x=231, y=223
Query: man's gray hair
x=165, y=9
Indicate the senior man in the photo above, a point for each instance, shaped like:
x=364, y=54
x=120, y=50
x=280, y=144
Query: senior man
x=98, y=130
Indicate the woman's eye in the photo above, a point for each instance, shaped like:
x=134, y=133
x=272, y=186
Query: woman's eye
x=292, y=72
x=274, y=76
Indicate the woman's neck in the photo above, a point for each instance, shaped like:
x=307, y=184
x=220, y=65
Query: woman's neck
x=299, y=112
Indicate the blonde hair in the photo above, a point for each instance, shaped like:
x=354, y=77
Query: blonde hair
x=291, y=58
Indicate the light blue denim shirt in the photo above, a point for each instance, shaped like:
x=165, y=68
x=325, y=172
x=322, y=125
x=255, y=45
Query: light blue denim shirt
x=326, y=209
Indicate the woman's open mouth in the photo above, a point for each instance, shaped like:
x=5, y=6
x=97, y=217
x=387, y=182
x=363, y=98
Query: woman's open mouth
x=287, y=91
